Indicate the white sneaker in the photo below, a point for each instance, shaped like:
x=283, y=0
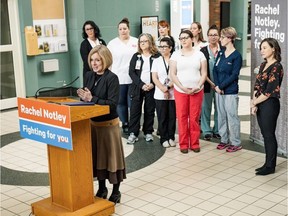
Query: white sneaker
x=149, y=137
x=172, y=143
x=166, y=144
x=132, y=139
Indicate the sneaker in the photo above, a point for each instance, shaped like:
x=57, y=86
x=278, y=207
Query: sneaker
x=148, y=137
x=217, y=136
x=172, y=143
x=233, y=148
x=132, y=139
x=207, y=137
x=221, y=145
x=166, y=144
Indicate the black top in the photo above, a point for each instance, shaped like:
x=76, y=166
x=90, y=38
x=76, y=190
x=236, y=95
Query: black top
x=85, y=48
x=105, y=91
x=268, y=82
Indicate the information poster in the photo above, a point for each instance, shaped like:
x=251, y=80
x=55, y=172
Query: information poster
x=50, y=25
x=269, y=19
x=149, y=24
x=45, y=122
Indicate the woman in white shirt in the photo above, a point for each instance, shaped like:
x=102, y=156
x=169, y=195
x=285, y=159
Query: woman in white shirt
x=122, y=48
x=188, y=71
x=164, y=96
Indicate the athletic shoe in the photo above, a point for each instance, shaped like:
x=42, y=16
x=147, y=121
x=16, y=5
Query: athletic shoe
x=166, y=144
x=132, y=139
x=172, y=143
x=233, y=148
x=222, y=146
x=149, y=138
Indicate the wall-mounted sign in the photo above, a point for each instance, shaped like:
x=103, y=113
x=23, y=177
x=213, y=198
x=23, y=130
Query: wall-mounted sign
x=149, y=24
x=50, y=25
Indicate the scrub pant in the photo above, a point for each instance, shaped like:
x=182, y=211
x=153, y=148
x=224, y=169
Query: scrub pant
x=188, y=109
x=228, y=119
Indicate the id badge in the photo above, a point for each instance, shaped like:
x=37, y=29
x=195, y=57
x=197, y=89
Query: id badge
x=138, y=65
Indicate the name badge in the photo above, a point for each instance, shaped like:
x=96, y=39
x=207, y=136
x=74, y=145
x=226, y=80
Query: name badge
x=138, y=64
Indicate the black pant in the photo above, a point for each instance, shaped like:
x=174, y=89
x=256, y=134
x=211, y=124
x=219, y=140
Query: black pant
x=267, y=115
x=166, y=115
x=136, y=111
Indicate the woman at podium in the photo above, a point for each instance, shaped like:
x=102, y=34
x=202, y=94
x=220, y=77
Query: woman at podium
x=101, y=86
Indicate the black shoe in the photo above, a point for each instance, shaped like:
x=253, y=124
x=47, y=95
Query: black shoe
x=158, y=133
x=184, y=151
x=207, y=137
x=266, y=171
x=115, y=197
x=102, y=193
x=260, y=168
x=217, y=136
x=196, y=150
x=125, y=128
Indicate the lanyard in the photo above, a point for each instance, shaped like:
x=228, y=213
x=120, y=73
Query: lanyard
x=167, y=68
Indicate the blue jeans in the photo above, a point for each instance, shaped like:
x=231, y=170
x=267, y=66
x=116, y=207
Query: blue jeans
x=208, y=99
x=228, y=119
x=124, y=103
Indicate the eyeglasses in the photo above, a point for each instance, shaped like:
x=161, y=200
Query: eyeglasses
x=144, y=41
x=89, y=29
x=183, y=38
x=214, y=35
x=163, y=47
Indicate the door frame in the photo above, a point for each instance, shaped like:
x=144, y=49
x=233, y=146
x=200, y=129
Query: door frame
x=16, y=48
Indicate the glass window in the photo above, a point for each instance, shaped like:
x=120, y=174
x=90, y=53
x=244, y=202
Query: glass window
x=5, y=26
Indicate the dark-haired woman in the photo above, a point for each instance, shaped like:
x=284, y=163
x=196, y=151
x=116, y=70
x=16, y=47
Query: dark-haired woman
x=122, y=48
x=164, y=95
x=188, y=71
x=210, y=52
x=265, y=103
x=91, y=35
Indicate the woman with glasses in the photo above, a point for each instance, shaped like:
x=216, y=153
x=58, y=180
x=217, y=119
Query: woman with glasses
x=164, y=96
x=188, y=71
x=142, y=88
x=122, y=48
x=91, y=35
x=226, y=76
x=210, y=52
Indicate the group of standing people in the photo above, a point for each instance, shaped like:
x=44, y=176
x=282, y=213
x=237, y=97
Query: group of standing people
x=180, y=83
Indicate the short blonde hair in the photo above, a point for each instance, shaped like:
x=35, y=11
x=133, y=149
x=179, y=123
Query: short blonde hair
x=105, y=55
x=229, y=32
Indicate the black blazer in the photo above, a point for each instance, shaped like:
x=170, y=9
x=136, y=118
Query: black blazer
x=104, y=92
x=85, y=48
x=135, y=74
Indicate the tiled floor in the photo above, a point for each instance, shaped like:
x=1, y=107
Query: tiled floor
x=210, y=183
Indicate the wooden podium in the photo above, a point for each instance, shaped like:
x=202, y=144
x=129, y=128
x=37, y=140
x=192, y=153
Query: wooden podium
x=70, y=172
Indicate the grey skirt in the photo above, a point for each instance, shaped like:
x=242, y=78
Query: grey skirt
x=107, y=151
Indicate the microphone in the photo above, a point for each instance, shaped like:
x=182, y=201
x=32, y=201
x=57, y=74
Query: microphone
x=55, y=88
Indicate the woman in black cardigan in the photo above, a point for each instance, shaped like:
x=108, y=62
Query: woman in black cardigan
x=91, y=35
x=102, y=87
x=142, y=88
